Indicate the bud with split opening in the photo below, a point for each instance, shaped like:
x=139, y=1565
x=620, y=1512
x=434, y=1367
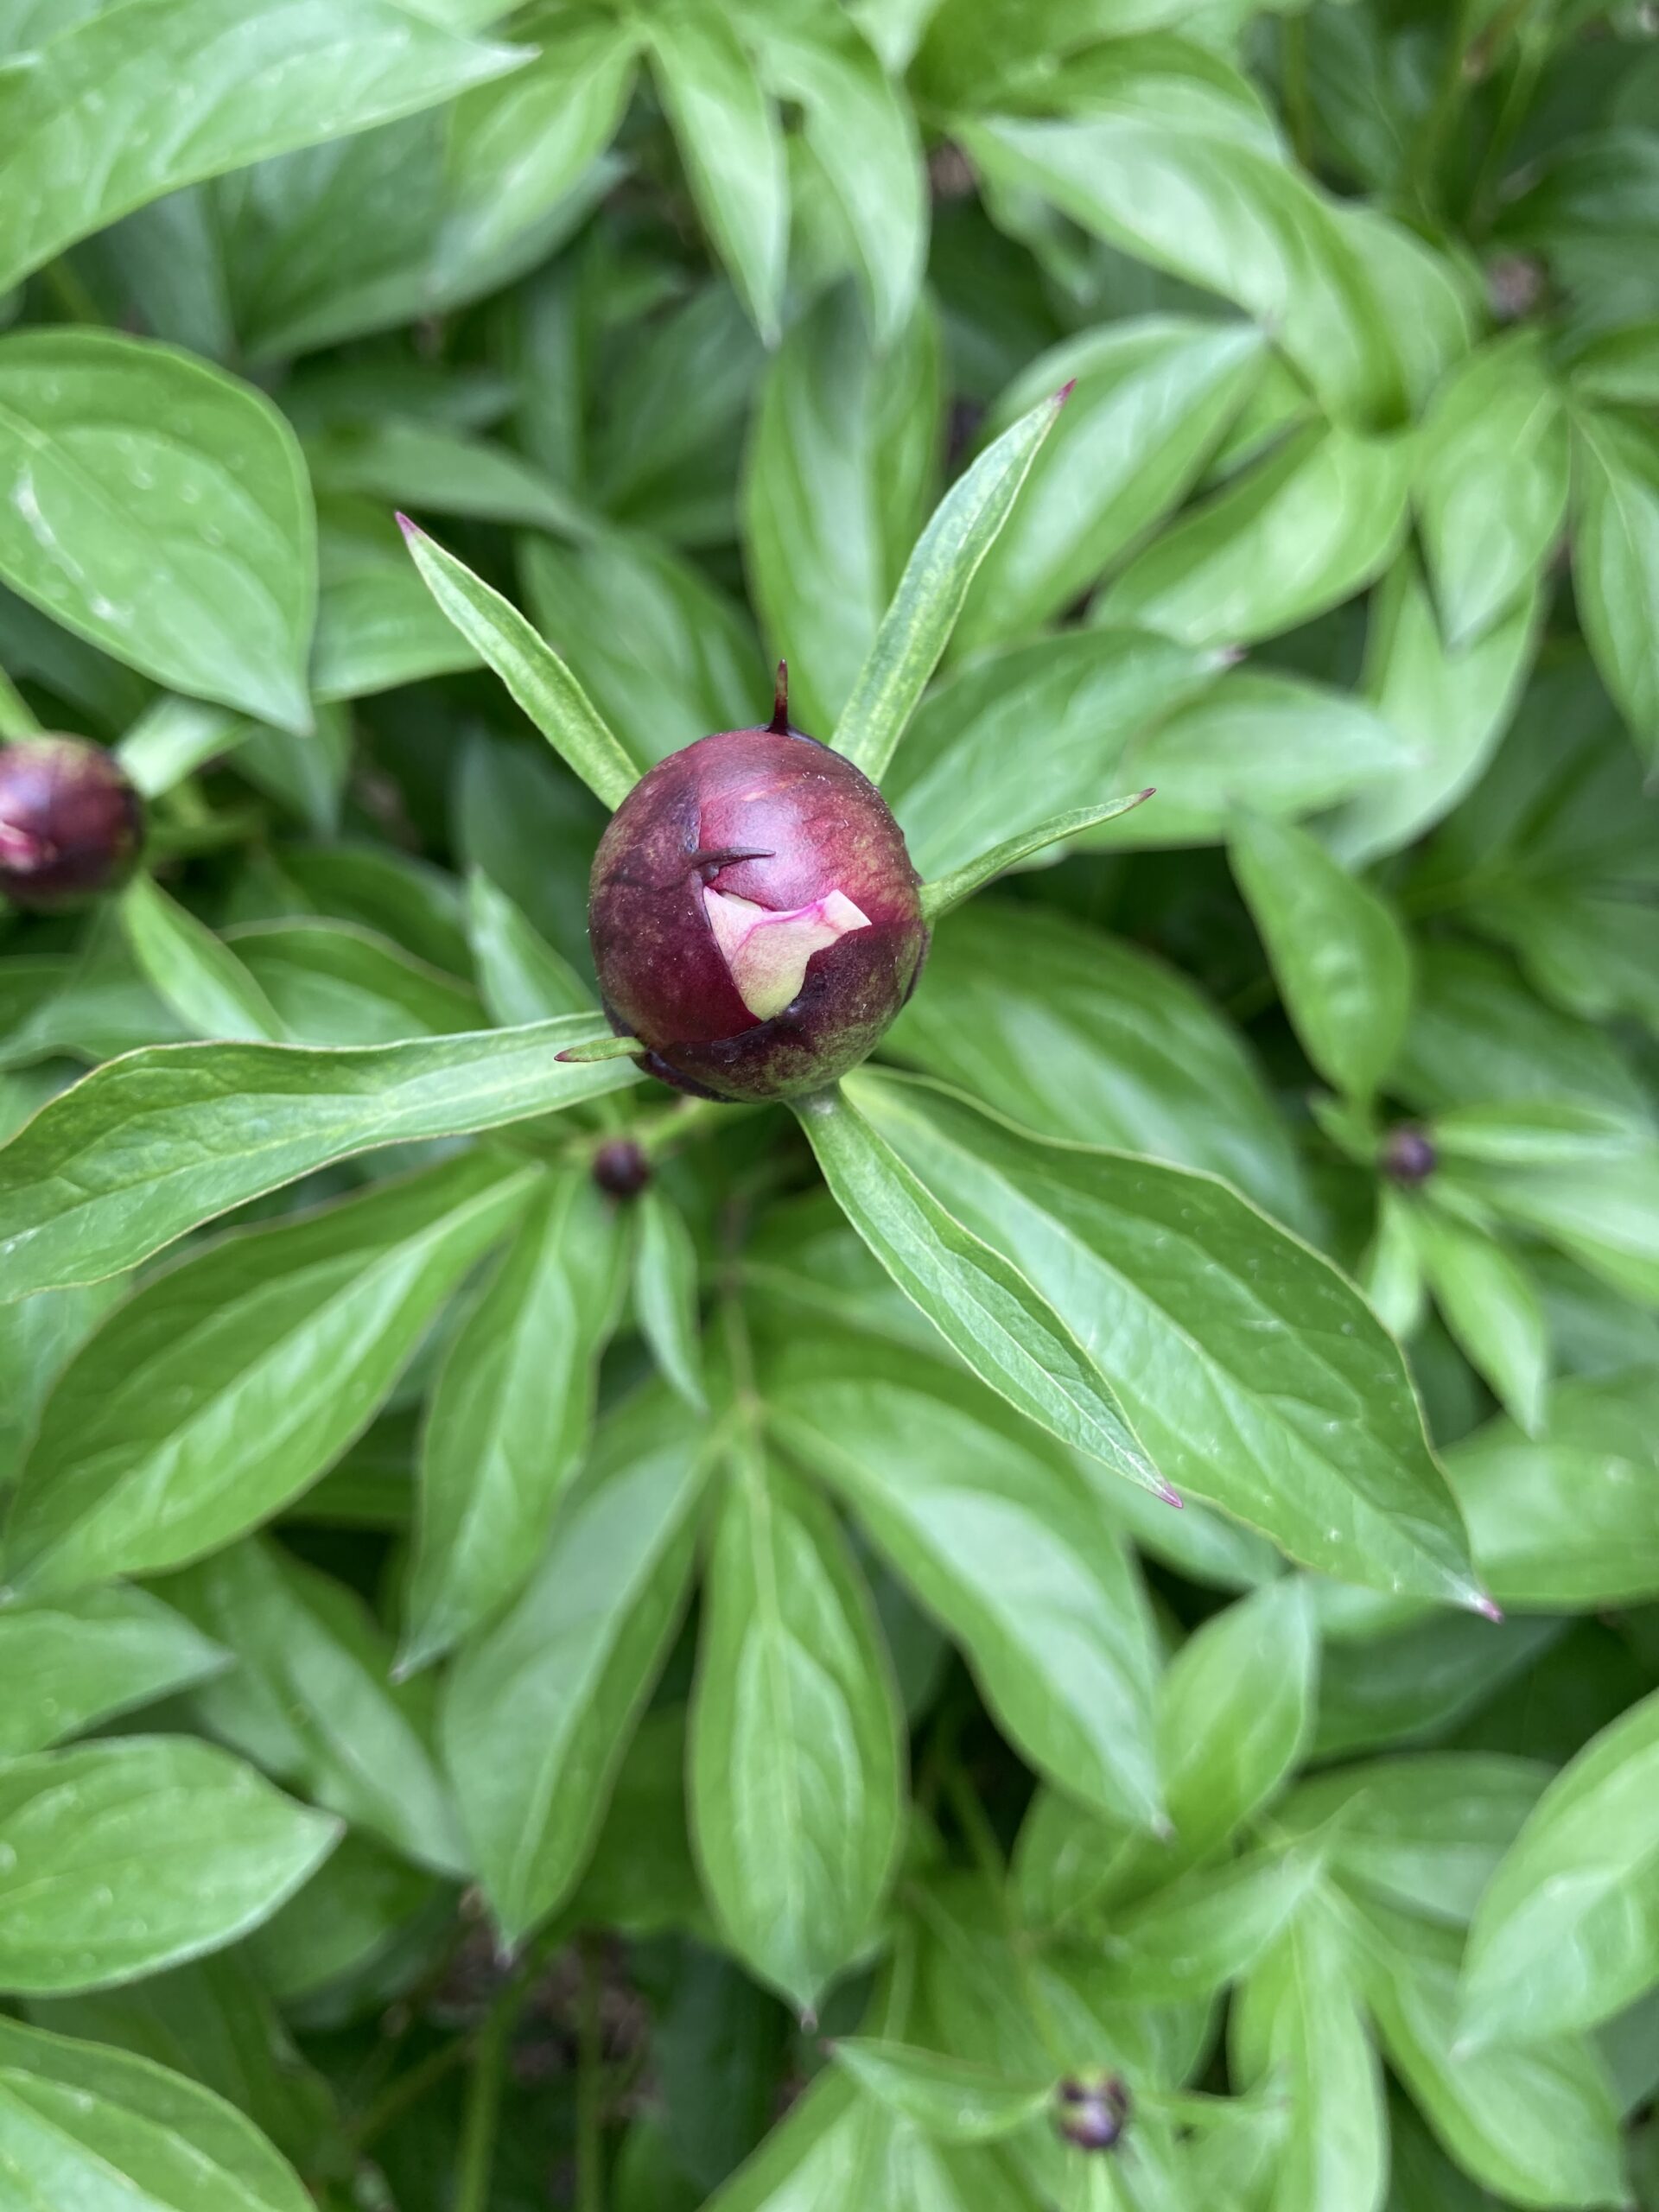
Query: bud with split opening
x=71, y=823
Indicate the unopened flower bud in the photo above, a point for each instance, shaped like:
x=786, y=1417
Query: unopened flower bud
x=756, y=920
x=71, y=824
x=1091, y=2115
x=621, y=1167
x=1407, y=1155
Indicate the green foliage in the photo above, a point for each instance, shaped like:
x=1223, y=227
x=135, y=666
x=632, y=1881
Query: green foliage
x=569, y=1644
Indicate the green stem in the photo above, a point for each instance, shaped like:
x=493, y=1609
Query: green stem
x=1293, y=86
x=590, y=2088
x=72, y=294
x=408, y=2090
x=15, y=720
x=1423, y=168
x=485, y=2085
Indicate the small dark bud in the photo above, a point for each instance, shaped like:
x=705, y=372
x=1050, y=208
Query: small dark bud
x=1515, y=285
x=622, y=1168
x=1407, y=1155
x=1091, y=2115
x=756, y=921
x=71, y=824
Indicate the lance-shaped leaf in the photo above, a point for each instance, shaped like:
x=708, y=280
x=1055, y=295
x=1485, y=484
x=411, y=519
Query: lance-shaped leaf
x=80, y=2123
x=120, y=1857
x=70, y=1661
x=540, y=1710
x=165, y=1139
x=1256, y=1373
x=199, y=976
x=665, y=1294
x=508, y=1420
x=975, y=1295
x=795, y=1735
x=916, y=626
x=950, y=2099
x=532, y=671
x=230, y=1382
x=948, y=891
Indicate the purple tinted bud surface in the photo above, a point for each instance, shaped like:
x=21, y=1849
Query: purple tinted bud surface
x=622, y=1168
x=1408, y=1155
x=1091, y=2115
x=756, y=921
x=71, y=824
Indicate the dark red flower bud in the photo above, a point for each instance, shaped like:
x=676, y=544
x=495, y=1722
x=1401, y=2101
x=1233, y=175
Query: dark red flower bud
x=1407, y=1155
x=621, y=1167
x=71, y=824
x=1092, y=2115
x=755, y=918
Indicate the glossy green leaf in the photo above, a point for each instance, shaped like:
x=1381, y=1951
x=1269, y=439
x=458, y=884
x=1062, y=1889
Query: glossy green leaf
x=945, y=892
x=38, y=1336
x=1208, y=1929
x=539, y=1710
x=1616, y=560
x=946, y=2098
x=665, y=1294
x=1207, y=1317
x=1602, y=1209
x=1416, y=1683
x=232, y=87
x=172, y=739
x=975, y=1295
x=1298, y=2023
x=1072, y=1033
x=1340, y=957
x=197, y=973
x=80, y=2123
x=1491, y=483
x=794, y=1764
x=126, y=1856
x=1538, y=2125
x=916, y=626
x=1565, y=1520
x=338, y=983
x=377, y=625
x=311, y=1698
x=233, y=1379
x=731, y=144
x=510, y=1414
x=1303, y=530
x=1001, y=1535
x=438, y=471
x=521, y=978
x=72, y=1662
x=1568, y=1930
x=113, y=1169
x=1153, y=398
x=1491, y=1307
x=158, y=507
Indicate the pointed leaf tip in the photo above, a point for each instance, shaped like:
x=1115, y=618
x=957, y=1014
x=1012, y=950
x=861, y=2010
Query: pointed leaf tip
x=411, y=529
x=1489, y=1606
x=1065, y=392
x=1171, y=1498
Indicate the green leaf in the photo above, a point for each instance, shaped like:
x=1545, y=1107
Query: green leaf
x=1616, y=561
x=665, y=1294
x=172, y=739
x=539, y=1710
x=1267, y=1383
x=1298, y=2024
x=38, y=1336
x=1208, y=1929
x=1556, y=1520
x=1538, y=2125
x=230, y=1382
x=1072, y=1033
x=1303, y=530
x=946, y=2098
x=1417, y=1682
x=377, y=625
x=1423, y=1833
x=731, y=144
x=916, y=625
x=112, y=1170
x=1490, y=1305
x=197, y=973
x=72, y=1662
x=338, y=983
x=294, y=76
x=835, y=485
x=1567, y=1931
x=399, y=463
x=1341, y=959
x=532, y=671
x=1001, y=1535
x=1153, y=398
x=509, y=1417
x=311, y=1699
x=1602, y=1209
x=794, y=1762
x=1491, y=483
x=977, y=1298
x=157, y=506
x=946, y=892
x=345, y=1926
x=521, y=978
x=123, y=1857
x=78, y=2123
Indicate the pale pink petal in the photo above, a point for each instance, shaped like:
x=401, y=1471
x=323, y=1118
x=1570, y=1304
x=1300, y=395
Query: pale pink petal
x=767, y=952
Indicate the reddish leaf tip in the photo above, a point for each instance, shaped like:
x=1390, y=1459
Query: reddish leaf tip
x=1489, y=1606
x=1171, y=1498
x=411, y=529
x=1065, y=392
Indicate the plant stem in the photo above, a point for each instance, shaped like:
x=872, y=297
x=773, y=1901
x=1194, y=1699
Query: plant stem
x=590, y=2088
x=15, y=720
x=483, y=2089
x=1293, y=87
x=408, y=2088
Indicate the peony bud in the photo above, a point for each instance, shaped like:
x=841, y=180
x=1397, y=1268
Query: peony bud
x=1407, y=1155
x=755, y=918
x=621, y=1167
x=1092, y=2115
x=71, y=824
